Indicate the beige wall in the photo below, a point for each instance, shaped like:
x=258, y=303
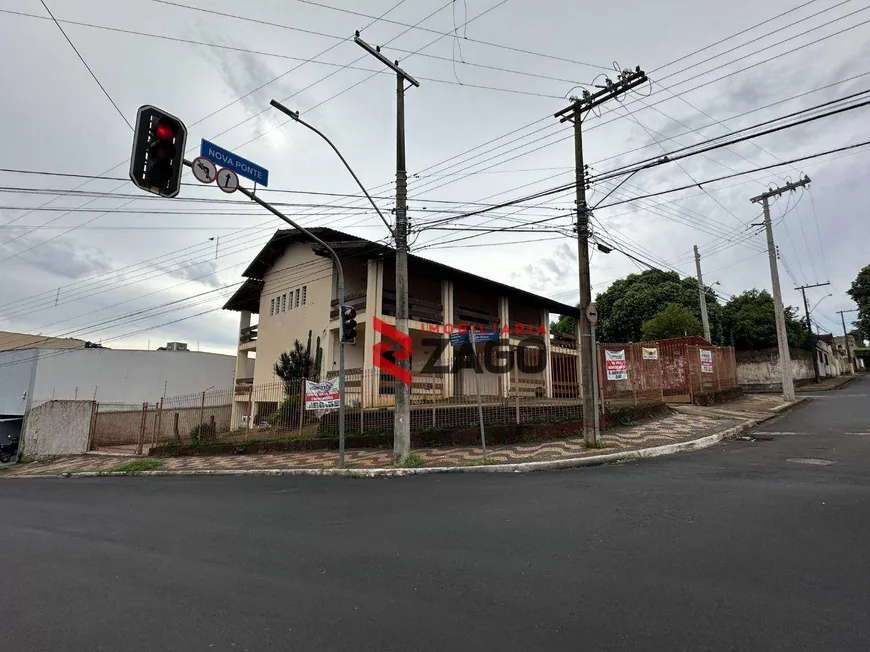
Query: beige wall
x=297, y=267
x=10, y=341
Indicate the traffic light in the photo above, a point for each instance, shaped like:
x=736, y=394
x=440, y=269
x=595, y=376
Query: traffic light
x=158, y=152
x=348, y=324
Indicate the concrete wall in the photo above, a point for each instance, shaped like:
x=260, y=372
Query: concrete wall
x=123, y=428
x=757, y=370
x=16, y=372
x=117, y=376
x=298, y=266
x=57, y=428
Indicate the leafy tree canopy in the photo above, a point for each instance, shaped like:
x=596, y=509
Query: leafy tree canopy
x=749, y=322
x=674, y=321
x=630, y=302
x=860, y=293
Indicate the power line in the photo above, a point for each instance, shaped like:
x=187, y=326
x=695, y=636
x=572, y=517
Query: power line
x=82, y=59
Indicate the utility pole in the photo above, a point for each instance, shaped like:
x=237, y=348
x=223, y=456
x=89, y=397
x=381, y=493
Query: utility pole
x=846, y=338
x=402, y=410
x=702, y=294
x=781, y=333
x=803, y=289
x=575, y=113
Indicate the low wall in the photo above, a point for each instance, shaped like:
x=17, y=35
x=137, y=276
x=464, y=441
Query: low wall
x=57, y=428
x=496, y=435
x=717, y=396
x=760, y=370
x=117, y=428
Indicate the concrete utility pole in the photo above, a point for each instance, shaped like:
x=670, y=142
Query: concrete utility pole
x=803, y=289
x=702, y=294
x=846, y=337
x=402, y=411
x=781, y=333
x=627, y=81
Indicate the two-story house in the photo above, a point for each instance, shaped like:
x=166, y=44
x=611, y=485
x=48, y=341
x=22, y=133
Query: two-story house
x=291, y=285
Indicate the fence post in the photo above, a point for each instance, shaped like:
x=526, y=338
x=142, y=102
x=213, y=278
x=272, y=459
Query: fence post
x=157, y=421
x=175, y=426
x=201, y=411
x=601, y=371
x=302, y=404
x=142, y=423
x=633, y=371
x=433, y=400
x=516, y=385
x=250, y=409
x=93, y=428
x=717, y=353
x=362, y=399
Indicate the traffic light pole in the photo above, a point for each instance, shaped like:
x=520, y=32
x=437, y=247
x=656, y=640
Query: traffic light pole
x=337, y=261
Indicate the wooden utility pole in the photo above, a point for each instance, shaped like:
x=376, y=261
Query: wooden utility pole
x=803, y=289
x=575, y=113
x=702, y=294
x=402, y=410
x=781, y=333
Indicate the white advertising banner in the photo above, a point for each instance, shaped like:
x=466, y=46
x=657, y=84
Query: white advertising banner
x=617, y=369
x=706, y=361
x=322, y=396
x=651, y=353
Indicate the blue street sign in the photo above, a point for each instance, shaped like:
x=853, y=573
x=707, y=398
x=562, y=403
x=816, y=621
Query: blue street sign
x=458, y=339
x=484, y=336
x=242, y=166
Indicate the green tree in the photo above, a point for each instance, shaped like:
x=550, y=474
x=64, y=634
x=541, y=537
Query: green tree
x=564, y=327
x=674, y=321
x=860, y=293
x=749, y=322
x=630, y=302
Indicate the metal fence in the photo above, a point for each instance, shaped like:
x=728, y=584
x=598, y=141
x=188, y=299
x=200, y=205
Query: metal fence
x=524, y=389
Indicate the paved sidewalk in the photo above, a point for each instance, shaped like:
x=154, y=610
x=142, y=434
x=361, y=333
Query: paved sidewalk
x=670, y=429
x=827, y=384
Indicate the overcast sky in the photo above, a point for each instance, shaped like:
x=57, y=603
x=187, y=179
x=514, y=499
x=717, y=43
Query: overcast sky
x=123, y=255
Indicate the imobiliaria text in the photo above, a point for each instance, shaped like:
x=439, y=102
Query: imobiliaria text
x=529, y=355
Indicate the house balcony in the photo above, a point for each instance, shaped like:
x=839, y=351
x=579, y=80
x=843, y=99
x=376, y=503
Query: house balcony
x=357, y=300
x=248, y=338
x=243, y=387
x=427, y=312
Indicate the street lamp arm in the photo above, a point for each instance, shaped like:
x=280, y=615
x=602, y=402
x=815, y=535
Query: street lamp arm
x=295, y=116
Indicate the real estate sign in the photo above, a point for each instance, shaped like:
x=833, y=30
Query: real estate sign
x=322, y=396
x=650, y=353
x=617, y=369
x=706, y=361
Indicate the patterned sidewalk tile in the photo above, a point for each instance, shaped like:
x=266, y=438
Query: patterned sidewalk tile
x=670, y=429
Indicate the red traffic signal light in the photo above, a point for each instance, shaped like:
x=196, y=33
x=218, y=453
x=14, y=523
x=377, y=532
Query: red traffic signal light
x=157, y=160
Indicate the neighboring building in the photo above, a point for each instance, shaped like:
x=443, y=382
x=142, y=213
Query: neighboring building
x=17, y=341
x=292, y=286
x=32, y=377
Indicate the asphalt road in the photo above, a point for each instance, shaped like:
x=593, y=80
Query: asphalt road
x=732, y=548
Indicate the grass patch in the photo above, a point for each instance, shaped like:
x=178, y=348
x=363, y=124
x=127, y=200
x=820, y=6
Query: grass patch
x=599, y=444
x=484, y=461
x=138, y=465
x=413, y=461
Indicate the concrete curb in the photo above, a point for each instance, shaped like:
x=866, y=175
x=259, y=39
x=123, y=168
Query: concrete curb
x=521, y=467
x=788, y=406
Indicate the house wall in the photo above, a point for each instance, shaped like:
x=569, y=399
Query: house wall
x=298, y=266
x=759, y=370
x=16, y=372
x=117, y=376
x=57, y=428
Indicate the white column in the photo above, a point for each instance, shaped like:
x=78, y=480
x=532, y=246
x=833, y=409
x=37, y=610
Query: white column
x=447, y=354
x=504, y=319
x=548, y=372
x=242, y=356
x=374, y=303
